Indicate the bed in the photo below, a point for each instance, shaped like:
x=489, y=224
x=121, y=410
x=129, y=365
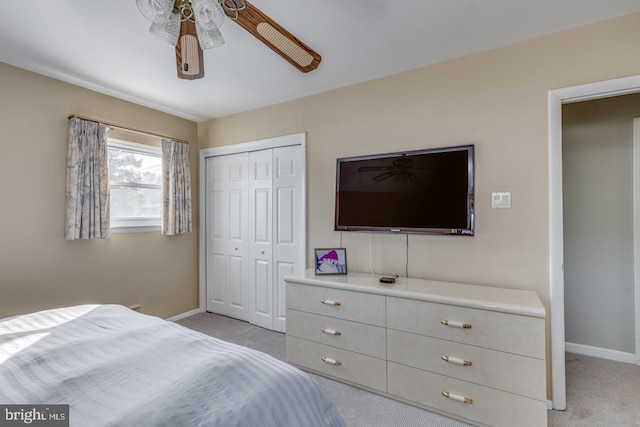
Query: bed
x=117, y=367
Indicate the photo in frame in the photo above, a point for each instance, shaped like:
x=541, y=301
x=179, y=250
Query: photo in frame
x=331, y=260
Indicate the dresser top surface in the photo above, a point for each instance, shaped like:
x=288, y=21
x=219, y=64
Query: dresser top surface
x=513, y=301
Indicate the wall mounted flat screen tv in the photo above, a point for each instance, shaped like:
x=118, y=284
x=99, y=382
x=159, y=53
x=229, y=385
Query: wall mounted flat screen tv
x=423, y=191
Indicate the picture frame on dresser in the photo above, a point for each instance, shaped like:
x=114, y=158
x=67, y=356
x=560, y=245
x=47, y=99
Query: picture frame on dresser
x=330, y=261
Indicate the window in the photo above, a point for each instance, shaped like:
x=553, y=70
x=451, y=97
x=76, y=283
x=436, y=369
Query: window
x=135, y=180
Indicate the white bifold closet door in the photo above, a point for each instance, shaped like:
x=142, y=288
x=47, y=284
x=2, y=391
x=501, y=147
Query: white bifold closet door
x=255, y=221
x=227, y=210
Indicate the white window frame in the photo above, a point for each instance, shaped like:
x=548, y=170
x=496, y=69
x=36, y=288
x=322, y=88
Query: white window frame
x=135, y=225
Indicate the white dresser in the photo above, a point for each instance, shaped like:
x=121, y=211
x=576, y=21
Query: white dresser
x=474, y=353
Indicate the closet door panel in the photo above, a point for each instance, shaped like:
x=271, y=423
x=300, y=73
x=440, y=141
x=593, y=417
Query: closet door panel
x=237, y=239
x=261, y=233
x=216, y=243
x=217, y=271
x=261, y=288
x=285, y=224
x=226, y=235
x=236, y=293
x=261, y=257
x=288, y=244
x=216, y=256
x=262, y=199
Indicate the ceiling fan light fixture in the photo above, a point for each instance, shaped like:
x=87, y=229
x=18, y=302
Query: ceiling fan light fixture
x=209, y=37
x=156, y=11
x=168, y=30
x=208, y=14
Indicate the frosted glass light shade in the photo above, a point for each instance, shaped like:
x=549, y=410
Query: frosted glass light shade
x=169, y=30
x=209, y=38
x=156, y=11
x=209, y=14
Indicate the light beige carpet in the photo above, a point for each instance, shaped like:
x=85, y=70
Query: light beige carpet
x=600, y=393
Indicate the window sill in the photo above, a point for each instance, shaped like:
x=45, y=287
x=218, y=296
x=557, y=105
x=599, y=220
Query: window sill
x=136, y=229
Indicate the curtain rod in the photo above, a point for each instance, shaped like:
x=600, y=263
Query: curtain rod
x=141, y=132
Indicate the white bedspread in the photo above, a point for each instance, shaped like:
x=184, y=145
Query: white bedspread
x=115, y=367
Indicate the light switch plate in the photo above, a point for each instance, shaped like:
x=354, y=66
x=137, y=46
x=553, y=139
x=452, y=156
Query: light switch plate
x=501, y=200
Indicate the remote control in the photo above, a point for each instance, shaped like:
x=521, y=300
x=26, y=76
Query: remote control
x=389, y=279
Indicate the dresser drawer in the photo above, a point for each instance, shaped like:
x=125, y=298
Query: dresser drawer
x=355, y=368
x=488, y=406
x=355, y=306
x=353, y=336
x=504, y=371
x=498, y=331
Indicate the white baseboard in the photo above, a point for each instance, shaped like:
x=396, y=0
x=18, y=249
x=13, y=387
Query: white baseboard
x=602, y=353
x=183, y=315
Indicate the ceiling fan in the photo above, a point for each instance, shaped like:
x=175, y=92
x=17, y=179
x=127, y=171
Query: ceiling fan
x=194, y=25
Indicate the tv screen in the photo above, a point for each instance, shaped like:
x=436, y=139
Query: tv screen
x=424, y=191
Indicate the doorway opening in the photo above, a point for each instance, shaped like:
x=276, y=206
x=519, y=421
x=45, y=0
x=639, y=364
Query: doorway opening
x=556, y=99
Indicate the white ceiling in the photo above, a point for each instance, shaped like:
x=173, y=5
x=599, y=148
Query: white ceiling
x=105, y=45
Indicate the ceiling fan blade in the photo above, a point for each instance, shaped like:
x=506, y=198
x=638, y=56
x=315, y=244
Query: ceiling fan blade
x=272, y=34
x=385, y=176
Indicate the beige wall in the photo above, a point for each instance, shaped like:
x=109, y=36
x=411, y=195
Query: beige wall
x=38, y=267
x=496, y=100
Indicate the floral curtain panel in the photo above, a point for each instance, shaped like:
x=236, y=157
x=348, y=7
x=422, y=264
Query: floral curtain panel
x=176, y=188
x=87, y=210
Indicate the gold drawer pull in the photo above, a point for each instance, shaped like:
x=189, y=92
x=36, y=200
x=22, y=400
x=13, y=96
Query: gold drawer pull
x=330, y=302
x=331, y=332
x=456, y=323
x=456, y=360
x=457, y=397
x=329, y=361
